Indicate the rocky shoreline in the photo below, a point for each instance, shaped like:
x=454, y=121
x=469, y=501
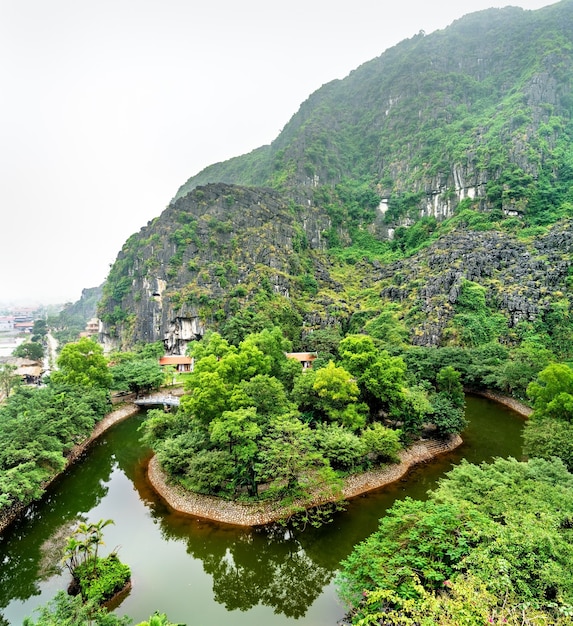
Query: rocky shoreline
x=259, y=514
x=515, y=405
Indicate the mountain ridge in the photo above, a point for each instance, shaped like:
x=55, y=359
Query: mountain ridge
x=465, y=130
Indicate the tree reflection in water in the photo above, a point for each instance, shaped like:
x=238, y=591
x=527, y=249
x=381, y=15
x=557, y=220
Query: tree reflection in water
x=23, y=545
x=265, y=566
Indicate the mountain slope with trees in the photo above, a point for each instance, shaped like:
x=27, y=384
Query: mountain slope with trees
x=425, y=199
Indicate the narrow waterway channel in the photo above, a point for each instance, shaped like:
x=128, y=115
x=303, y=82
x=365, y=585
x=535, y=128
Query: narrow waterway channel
x=203, y=573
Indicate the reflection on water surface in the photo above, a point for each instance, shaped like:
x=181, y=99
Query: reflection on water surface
x=201, y=572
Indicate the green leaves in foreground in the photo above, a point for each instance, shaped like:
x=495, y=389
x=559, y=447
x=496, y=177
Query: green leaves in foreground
x=507, y=527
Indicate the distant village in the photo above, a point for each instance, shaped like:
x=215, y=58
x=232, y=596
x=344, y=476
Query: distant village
x=16, y=327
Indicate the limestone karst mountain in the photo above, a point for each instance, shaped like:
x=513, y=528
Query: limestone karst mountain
x=426, y=196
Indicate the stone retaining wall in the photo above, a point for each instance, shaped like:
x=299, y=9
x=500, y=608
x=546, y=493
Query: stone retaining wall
x=258, y=514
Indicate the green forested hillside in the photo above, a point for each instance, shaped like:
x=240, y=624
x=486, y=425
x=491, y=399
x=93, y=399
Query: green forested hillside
x=425, y=199
x=484, y=101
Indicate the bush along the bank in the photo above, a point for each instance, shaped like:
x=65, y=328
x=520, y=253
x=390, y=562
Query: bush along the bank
x=492, y=544
x=97, y=579
x=38, y=430
x=65, y=610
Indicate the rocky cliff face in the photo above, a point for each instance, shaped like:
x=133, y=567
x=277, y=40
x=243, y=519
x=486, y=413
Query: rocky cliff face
x=523, y=280
x=208, y=254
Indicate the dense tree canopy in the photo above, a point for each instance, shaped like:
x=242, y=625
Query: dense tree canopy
x=506, y=526
x=38, y=428
x=8, y=379
x=549, y=430
x=252, y=422
x=32, y=350
x=83, y=364
x=137, y=376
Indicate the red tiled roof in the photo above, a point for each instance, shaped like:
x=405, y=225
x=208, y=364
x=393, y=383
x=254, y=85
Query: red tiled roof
x=175, y=360
x=302, y=356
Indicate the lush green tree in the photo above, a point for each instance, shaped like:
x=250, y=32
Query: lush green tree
x=549, y=430
x=8, y=379
x=463, y=602
x=176, y=451
x=424, y=363
x=380, y=377
x=83, y=364
x=40, y=328
x=343, y=449
x=448, y=417
x=209, y=396
x=325, y=343
x=38, y=427
x=263, y=392
x=243, y=364
x=529, y=544
x=485, y=362
x=272, y=343
x=330, y=393
x=160, y=425
x=211, y=344
x=548, y=438
x=448, y=405
x=381, y=442
x=506, y=524
x=158, y=619
x=337, y=394
x=449, y=383
x=552, y=392
x=137, y=376
x=210, y=471
x=153, y=350
x=410, y=410
x=423, y=539
x=30, y=350
x=357, y=352
x=289, y=459
x=521, y=368
x=238, y=431
x=242, y=324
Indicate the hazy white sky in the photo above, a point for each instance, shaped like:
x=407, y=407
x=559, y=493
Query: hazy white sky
x=108, y=106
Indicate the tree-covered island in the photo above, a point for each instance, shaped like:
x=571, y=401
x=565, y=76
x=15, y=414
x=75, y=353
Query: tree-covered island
x=254, y=426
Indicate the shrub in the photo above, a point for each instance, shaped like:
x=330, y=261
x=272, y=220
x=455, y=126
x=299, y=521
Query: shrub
x=101, y=579
x=342, y=448
x=383, y=443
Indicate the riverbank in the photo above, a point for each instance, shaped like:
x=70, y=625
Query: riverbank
x=259, y=514
x=11, y=515
x=251, y=515
x=515, y=405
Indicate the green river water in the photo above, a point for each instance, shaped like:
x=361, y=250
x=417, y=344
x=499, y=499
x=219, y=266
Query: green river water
x=202, y=573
